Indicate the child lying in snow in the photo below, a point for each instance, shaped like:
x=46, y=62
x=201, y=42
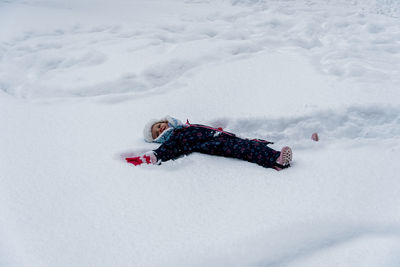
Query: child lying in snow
x=179, y=139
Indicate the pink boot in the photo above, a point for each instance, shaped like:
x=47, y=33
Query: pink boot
x=284, y=158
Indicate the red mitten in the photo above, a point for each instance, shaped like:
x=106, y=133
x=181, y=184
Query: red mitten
x=147, y=158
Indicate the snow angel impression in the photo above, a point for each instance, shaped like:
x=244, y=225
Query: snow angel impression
x=178, y=139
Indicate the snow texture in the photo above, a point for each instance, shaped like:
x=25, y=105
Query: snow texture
x=79, y=80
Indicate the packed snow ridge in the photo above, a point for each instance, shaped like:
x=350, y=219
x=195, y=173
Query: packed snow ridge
x=67, y=61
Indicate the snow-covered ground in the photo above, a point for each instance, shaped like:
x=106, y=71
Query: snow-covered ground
x=79, y=79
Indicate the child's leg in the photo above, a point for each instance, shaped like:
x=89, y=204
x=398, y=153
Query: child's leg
x=243, y=149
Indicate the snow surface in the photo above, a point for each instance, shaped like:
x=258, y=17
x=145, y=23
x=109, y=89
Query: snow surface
x=79, y=79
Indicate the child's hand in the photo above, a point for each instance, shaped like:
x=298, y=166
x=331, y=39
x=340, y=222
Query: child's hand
x=147, y=158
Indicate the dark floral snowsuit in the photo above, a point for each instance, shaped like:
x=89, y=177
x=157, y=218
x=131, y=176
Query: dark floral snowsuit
x=204, y=139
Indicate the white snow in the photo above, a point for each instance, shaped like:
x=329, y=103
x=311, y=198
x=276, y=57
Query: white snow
x=79, y=79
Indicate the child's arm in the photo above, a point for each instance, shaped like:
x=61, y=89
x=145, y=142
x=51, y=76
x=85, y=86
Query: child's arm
x=172, y=149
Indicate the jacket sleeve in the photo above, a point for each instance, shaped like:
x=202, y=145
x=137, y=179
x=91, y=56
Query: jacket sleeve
x=172, y=149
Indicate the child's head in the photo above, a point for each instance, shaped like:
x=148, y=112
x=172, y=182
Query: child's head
x=159, y=131
x=154, y=128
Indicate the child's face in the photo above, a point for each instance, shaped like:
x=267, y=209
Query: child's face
x=158, y=128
